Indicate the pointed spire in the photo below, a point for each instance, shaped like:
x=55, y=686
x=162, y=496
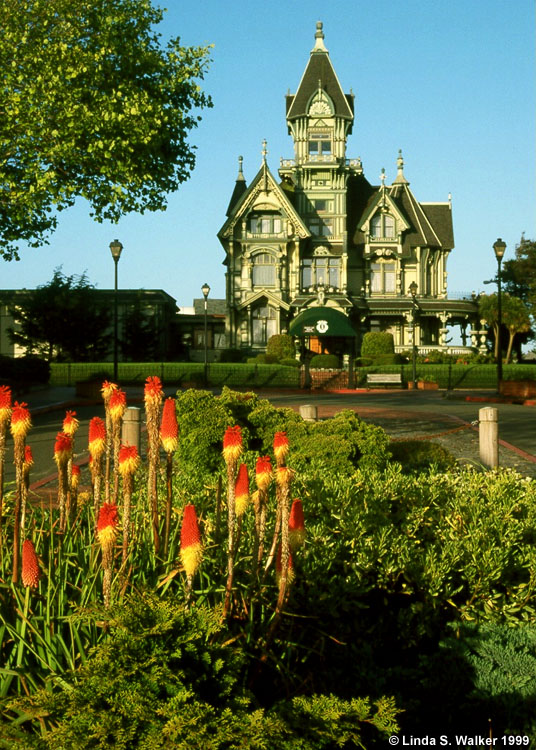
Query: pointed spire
x=400, y=167
x=239, y=188
x=319, y=39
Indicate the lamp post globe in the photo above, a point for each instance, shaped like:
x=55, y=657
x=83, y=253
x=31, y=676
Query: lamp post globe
x=413, y=291
x=115, y=248
x=205, y=289
x=499, y=248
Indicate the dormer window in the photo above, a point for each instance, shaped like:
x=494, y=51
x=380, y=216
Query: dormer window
x=382, y=226
x=263, y=273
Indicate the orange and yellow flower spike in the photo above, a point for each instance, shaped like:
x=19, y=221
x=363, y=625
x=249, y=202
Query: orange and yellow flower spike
x=296, y=525
x=191, y=551
x=169, y=428
x=241, y=490
x=30, y=565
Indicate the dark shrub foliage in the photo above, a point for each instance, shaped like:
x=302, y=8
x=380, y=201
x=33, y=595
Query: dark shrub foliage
x=324, y=362
x=418, y=455
x=377, y=342
x=281, y=346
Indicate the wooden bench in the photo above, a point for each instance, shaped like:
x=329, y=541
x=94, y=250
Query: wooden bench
x=391, y=378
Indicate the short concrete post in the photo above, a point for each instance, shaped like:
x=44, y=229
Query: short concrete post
x=308, y=412
x=130, y=432
x=488, y=432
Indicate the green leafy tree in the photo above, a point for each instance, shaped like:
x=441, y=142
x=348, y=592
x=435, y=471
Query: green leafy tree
x=93, y=106
x=514, y=316
x=61, y=320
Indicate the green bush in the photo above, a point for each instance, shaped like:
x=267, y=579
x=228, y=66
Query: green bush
x=281, y=346
x=164, y=679
x=377, y=342
x=324, y=362
x=261, y=359
x=289, y=362
x=24, y=371
x=417, y=455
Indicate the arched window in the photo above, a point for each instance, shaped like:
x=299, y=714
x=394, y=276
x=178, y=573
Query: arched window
x=382, y=226
x=264, y=324
x=263, y=269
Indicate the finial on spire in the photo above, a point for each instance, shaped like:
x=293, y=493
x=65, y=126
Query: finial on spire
x=382, y=177
x=240, y=171
x=319, y=38
x=264, y=151
x=400, y=179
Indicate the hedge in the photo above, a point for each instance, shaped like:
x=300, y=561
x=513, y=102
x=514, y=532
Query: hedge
x=219, y=374
x=452, y=376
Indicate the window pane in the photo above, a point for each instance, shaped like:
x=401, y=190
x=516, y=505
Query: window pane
x=375, y=277
x=307, y=275
x=258, y=331
x=263, y=275
x=327, y=229
x=313, y=147
x=253, y=224
x=326, y=147
x=320, y=205
x=265, y=225
x=389, y=280
x=334, y=275
x=389, y=224
x=277, y=226
x=271, y=328
x=376, y=226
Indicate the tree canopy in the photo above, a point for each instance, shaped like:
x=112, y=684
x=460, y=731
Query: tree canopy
x=92, y=105
x=514, y=317
x=62, y=320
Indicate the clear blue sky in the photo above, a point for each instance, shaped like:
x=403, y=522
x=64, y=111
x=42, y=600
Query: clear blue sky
x=450, y=82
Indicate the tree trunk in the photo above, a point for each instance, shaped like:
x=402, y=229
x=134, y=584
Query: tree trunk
x=510, y=344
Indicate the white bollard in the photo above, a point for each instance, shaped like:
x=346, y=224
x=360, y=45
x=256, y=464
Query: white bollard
x=130, y=432
x=308, y=412
x=488, y=433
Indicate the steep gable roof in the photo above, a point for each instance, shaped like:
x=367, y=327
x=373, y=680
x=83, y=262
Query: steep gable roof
x=264, y=190
x=319, y=73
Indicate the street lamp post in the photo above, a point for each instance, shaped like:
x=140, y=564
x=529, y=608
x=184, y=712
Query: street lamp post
x=413, y=291
x=206, y=289
x=499, y=247
x=115, y=248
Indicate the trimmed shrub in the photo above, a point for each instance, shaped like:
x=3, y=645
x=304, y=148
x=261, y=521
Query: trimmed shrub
x=281, y=346
x=377, y=342
x=419, y=455
x=22, y=371
x=324, y=362
x=287, y=362
x=261, y=359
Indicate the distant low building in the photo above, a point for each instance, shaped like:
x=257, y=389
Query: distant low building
x=190, y=324
x=146, y=317
x=325, y=255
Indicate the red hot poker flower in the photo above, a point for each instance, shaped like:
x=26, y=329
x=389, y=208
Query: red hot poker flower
x=70, y=423
x=75, y=476
x=241, y=490
x=30, y=565
x=263, y=472
x=296, y=525
x=191, y=548
x=153, y=392
x=20, y=420
x=117, y=404
x=107, y=390
x=280, y=446
x=232, y=444
x=28, y=456
x=5, y=405
x=63, y=448
x=107, y=525
x=169, y=428
x=283, y=475
x=129, y=460
x=97, y=437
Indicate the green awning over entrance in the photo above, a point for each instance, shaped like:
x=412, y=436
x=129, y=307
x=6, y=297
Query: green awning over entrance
x=321, y=321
